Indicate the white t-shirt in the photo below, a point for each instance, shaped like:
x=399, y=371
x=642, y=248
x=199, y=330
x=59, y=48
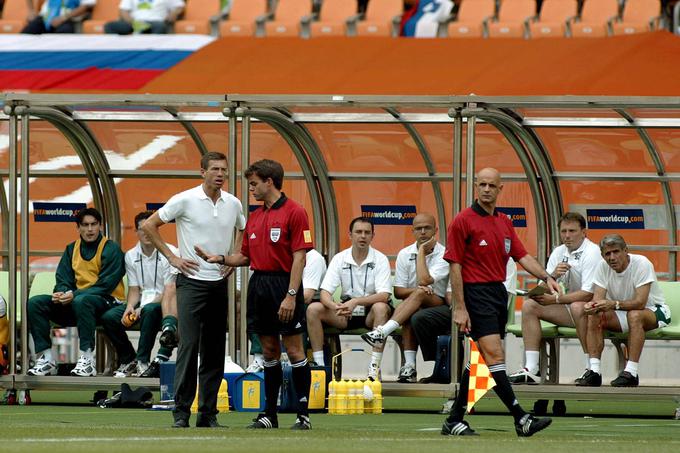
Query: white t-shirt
x=64, y=10
x=315, y=269
x=204, y=223
x=621, y=286
x=150, y=10
x=405, y=271
x=583, y=261
x=149, y=273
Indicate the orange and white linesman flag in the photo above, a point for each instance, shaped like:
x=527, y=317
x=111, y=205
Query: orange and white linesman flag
x=481, y=380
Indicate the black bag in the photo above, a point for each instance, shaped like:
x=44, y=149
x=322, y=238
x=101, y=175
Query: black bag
x=442, y=362
x=140, y=398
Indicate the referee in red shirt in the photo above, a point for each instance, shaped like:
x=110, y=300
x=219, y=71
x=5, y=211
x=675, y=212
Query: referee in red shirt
x=479, y=242
x=275, y=242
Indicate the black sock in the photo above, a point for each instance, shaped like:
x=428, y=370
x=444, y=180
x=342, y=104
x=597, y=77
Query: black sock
x=302, y=379
x=273, y=375
x=458, y=409
x=504, y=391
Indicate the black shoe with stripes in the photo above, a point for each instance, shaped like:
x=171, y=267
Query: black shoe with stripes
x=457, y=429
x=530, y=425
x=302, y=423
x=264, y=421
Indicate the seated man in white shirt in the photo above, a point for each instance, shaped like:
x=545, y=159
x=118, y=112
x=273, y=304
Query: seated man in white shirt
x=145, y=16
x=626, y=298
x=420, y=280
x=363, y=274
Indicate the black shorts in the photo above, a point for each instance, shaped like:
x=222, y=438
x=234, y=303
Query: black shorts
x=487, y=305
x=266, y=291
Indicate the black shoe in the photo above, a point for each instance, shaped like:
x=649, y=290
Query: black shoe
x=263, y=421
x=626, y=379
x=302, y=423
x=530, y=425
x=153, y=370
x=579, y=379
x=426, y=380
x=181, y=423
x=208, y=422
x=590, y=379
x=169, y=338
x=457, y=429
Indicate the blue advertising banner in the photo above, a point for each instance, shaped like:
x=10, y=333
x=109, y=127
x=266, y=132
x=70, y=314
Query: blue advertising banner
x=615, y=219
x=517, y=215
x=154, y=206
x=56, y=212
x=389, y=214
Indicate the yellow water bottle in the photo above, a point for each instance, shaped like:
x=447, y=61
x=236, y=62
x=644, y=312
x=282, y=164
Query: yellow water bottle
x=359, y=392
x=376, y=387
x=332, y=398
x=341, y=391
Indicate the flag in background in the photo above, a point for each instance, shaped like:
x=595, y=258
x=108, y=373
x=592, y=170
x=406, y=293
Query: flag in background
x=424, y=20
x=480, y=376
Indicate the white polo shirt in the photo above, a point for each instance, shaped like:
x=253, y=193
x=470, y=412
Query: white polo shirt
x=405, y=271
x=315, y=269
x=204, y=223
x=150, y=10
x=583, y=261
x=149, y=273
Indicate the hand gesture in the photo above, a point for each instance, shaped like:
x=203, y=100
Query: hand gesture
x=187, y=267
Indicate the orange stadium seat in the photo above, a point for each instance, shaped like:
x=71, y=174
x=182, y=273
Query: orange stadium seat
x=553, y=19
x=199, y=16
x=104, y=11
x=513, y=19
x=14, y=16
x=333, y=18
x=382, y=18
x=473, y=17
x=596, y=19
x=288, y=17
x=245, y=18
x=638, y=16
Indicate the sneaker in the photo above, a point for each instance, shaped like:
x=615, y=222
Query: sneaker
x=302, y=423
x=126, y=370
x=626, y=379
x=579, y=379
x=457, y=429
x=408, y=374
x=255, y=367
x=524, y=376
x=373, y=372
x=375, y=337
x=530, y=425
x=263, y=421
x=590, y=379
x=43, y=367
x=152, y=371
x=85, y=367
x=168, y=338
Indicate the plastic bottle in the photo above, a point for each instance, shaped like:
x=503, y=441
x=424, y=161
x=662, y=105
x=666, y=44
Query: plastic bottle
x=332, y=398
x=376, y=386
x=342, y=397
x=359, y=392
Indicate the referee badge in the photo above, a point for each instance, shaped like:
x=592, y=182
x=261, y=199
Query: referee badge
x=275, y=234
x=507, y=245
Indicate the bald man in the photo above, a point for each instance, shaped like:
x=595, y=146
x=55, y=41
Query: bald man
x=420, y=280
x=480, y=240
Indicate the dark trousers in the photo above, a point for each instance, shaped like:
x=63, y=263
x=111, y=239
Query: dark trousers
x=428, y=324
x=202, y=318
x=149, y=326
x=121, y=27
x=37, y=27
x=83, y=312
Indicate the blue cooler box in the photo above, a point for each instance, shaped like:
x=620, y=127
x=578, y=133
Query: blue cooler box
x=231, y=386
x=167, y=381
x=248, y=392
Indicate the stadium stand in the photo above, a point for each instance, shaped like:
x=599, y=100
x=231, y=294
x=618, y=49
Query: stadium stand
x=552, y=21
x=200, y=17
x=14, y=15
x=291, y=18
x=596, y=19
x=382, y=18
x=333, y=18
x=638, y=16
x=513, y=19
x=104, y=11
x=473, y=19
x=246, y=18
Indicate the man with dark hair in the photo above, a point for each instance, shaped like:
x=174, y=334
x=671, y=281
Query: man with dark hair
x=363, y=275
x=206, y=218
x=276, y=240
x=626, y=298
x=479, y=241
x=150, y=280
x=89, y=283
x=573, y=265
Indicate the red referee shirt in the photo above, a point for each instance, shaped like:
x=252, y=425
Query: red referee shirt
x=481, y=244
x=272, y=235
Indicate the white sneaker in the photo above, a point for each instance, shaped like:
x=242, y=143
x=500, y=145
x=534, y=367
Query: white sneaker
x=43, y=367
x=373, y=371
x=255, y=367
x=524, y=376
x=126, y=370
x=85, y=367
x=141, y=368
x=375, y=337
x=408, y=374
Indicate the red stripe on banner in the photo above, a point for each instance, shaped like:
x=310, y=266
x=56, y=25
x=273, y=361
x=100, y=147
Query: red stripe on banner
x=84, y=79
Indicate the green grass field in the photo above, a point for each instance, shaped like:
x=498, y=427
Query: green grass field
x=51, y=426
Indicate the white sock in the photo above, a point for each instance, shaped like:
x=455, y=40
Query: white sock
x=259, y=358
x=46, y=354
x=587, y=362
x=318, y=358
x=389, y=327
x=595, y=365
x=531, y=361
x=87, y=354
x=410, y=357
x=632, y=368
x=376, y=357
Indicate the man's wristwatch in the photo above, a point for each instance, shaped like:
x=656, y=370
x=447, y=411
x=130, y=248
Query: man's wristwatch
x=617, y=306
x=292, y=292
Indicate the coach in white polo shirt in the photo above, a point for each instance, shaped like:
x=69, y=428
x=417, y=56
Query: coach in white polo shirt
x=206, y=218
x=145, y=16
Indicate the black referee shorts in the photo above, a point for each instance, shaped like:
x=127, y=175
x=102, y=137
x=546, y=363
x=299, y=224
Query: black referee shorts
x=487, y=305
x=266, y=291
